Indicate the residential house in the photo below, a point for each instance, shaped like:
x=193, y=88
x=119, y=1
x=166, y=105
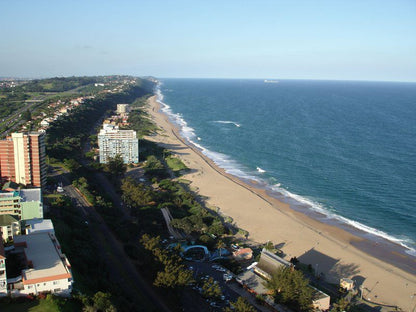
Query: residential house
x=9, y=227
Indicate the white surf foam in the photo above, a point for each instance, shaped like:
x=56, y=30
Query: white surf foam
x=228, y=122
x=318, y=207
x=260, y=170
x=233, y=167
x=411, y=252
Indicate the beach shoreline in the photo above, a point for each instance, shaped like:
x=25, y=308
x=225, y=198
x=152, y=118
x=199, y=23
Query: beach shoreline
x=332, y=251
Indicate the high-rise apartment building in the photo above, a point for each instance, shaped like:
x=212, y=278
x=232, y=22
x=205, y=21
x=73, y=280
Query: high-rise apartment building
x=25, y=204
x=112, y=142
x=123, y=108
x=22, y=159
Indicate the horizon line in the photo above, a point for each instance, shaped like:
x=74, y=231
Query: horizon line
x=224, y=78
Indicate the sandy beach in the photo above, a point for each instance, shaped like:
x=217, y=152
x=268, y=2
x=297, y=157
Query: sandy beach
x=330, y=250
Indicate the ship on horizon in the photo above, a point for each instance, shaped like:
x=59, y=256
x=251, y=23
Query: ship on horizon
x=270, y=81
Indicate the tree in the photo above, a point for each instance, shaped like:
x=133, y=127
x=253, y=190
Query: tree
x=26, y=115
x=211, y=289
x=174, y=275
x=116, y=166
x=341, y=305
x=269, y=246
x=71, y=164
x=135, y=193
x=100, y=302
x=290, y=286
x=240, y=305
x=220, y=245
x=216, y=228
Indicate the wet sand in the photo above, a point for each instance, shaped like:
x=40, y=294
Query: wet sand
x=330, y=250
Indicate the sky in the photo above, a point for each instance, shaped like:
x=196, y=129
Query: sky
x=342, y=40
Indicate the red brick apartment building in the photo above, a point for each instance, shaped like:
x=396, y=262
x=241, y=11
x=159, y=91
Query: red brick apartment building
x=22, y=159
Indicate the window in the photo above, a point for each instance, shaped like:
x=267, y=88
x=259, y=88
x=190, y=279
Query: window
x=55, y=282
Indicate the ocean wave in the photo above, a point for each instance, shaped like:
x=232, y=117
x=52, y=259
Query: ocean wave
x=260, y=170
x=232, y=167
x=186, y=131
x=295, y=199
x=411, y=252
x=228, y=122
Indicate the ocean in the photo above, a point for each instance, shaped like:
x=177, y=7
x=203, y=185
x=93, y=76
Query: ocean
x=343, y=152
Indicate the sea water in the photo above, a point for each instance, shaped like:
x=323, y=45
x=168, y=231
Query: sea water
x=343, y=151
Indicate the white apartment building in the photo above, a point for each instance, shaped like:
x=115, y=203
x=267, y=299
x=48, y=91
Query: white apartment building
x=112, y=142
x=123, y=108
x=49, y=269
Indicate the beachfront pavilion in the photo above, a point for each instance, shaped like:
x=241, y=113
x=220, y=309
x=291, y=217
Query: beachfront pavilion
x=254, y=280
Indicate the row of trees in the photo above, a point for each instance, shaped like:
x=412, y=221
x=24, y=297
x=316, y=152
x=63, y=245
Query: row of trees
x=57, y=84
x=65, y=135
x=172, y=272
x=189, y=215
x=289, y=286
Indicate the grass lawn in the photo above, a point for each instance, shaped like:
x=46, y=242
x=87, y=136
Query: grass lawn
x=41, y=306
x=32, y=306
x=175, y=164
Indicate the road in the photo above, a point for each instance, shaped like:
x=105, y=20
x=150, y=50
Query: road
x=122, y=271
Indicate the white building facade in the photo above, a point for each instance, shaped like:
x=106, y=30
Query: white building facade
x=3, y=276
x=123, y=108
x=49, y=269
x=112, y=142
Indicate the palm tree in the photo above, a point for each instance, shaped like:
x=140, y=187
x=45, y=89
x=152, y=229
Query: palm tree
x=220, y=245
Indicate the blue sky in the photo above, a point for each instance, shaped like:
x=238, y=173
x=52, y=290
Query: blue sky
x=352, y=40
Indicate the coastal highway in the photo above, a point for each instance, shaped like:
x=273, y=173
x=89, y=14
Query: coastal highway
x=122, y=272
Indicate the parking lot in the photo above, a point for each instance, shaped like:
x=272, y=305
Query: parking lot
x=203, y=270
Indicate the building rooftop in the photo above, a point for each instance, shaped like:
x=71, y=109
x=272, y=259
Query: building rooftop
x=317, y=294
x=269, y=262
x=10, y=186
x=9, y=194
x=28, y=195
x=252, y=281
x=7, y=220
x=44, y=255
x=39, y=225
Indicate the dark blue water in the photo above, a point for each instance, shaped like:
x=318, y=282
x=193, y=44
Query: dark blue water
x=345, y=149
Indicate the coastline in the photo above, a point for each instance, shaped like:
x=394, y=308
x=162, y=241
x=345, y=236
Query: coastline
x=331, y=250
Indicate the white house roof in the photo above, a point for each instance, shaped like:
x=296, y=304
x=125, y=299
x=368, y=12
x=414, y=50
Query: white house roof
x=28, y=195
x=43, y=253
x=39, y=225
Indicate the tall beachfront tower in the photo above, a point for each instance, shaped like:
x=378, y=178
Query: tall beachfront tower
x=112, y=142
x=22, y=159
x=123, y=108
